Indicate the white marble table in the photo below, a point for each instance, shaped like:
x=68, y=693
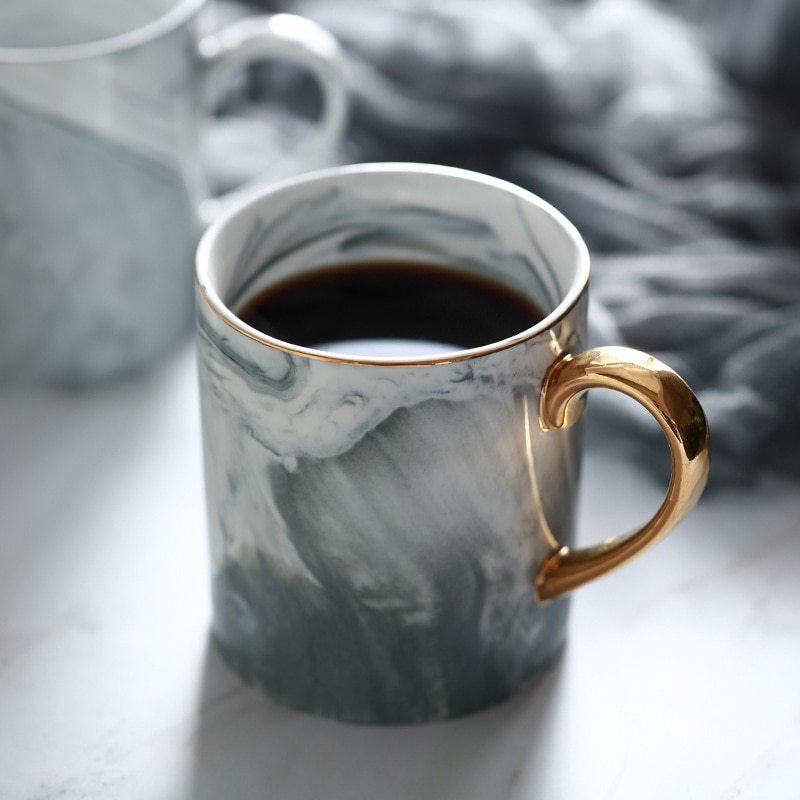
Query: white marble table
x=682, y=678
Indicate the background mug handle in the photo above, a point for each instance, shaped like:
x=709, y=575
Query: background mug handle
x=667, y=397
x=284, y=37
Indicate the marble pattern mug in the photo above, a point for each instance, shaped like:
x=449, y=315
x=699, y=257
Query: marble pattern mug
x=392, y=537
x=102, y=197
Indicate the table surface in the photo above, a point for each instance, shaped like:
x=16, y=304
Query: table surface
x=680, y=679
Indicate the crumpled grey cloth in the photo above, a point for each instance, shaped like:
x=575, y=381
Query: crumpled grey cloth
x=667, y=132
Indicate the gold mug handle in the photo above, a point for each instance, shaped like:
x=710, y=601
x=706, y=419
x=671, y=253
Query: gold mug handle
x=667, y=397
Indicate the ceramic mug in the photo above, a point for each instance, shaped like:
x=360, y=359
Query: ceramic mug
x=102, y=196
x=392, y=537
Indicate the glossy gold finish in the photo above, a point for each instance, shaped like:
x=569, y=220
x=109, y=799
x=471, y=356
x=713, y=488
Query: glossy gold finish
x=667, y=397
x=232, y=321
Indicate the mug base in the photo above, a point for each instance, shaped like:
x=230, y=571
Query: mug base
x=356, y=709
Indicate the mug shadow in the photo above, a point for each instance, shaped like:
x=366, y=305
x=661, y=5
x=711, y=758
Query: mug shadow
x=247, y=746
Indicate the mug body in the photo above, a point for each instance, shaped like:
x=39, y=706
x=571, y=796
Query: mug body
x=100, y=184
x=375, y=523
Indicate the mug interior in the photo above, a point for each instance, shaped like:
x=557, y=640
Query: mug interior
x=412, y=213
x=67, y=23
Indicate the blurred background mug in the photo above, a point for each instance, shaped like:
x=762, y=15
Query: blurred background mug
x=102, y=196
x=392, y=535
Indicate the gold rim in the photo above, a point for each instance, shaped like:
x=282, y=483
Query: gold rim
x=571, y=298
x=322, y=355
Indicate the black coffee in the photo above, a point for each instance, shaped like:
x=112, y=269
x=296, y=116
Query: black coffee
x=390, y=308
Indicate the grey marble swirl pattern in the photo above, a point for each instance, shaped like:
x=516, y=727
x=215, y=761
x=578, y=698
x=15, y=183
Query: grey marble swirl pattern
x=343, y=225
x=374, y=528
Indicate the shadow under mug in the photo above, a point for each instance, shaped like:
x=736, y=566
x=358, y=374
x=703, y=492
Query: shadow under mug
x=102, y=197
x=392, y=538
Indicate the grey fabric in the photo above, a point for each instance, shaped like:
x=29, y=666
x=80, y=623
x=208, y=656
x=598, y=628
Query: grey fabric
x=679, y=162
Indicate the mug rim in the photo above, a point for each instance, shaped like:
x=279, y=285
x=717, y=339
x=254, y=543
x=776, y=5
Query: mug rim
x=211, y=297
x=150, y=31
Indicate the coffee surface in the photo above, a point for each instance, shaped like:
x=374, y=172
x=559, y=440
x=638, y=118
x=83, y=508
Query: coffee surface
x=390, y=308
